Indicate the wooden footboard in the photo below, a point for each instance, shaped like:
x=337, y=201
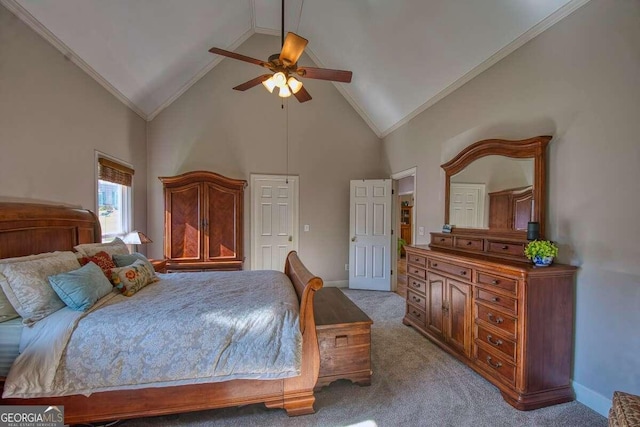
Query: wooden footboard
x=61, y=228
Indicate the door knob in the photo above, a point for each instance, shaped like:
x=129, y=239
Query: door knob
x=353, y=239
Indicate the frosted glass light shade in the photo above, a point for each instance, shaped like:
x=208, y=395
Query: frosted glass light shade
x=270, y=83
x=284, y=92
x=294, y=84
x=280, y=79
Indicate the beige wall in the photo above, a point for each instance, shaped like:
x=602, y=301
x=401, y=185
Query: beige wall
x=212, y=127
x=580, y=82
x=53, y=117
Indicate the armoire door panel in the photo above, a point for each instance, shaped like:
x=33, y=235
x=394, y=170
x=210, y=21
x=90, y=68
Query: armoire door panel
x=184, y=223
x=220, y=230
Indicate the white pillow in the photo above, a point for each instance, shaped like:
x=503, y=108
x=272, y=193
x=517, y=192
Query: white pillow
x=112, y=248
x=25, y=282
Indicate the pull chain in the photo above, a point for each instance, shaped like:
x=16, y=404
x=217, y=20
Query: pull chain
x=287, y=137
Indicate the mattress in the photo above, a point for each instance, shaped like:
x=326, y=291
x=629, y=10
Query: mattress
x=10, y=332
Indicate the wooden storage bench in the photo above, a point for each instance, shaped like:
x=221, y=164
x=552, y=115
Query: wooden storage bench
x=344, y=338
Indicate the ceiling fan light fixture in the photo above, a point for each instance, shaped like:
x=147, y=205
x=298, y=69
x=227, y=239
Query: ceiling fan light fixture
x=280, y=79
x=294, y=84
x=284, y=92
x=269, y=84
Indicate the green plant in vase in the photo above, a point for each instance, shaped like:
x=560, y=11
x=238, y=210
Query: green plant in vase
x=401, y=243
x=541, y=252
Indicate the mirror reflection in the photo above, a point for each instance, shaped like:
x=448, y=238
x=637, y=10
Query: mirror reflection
x=493, y=192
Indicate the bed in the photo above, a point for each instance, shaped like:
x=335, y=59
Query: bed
x=27, y=229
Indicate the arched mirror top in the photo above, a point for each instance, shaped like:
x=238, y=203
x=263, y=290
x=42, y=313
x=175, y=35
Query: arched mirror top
x=497, y=186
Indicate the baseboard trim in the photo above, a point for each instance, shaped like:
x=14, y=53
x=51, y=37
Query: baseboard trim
x=592, y=399
x=337, y=284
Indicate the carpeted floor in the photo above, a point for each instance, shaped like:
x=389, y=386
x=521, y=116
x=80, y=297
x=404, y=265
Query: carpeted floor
x=414, y=383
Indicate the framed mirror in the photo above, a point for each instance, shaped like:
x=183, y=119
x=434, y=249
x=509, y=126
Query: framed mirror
x=497, y=186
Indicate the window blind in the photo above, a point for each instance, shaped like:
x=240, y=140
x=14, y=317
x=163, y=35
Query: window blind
x=111, y=171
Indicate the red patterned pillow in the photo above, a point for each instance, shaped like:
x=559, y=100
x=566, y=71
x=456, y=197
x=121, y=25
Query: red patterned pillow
x=103, y=260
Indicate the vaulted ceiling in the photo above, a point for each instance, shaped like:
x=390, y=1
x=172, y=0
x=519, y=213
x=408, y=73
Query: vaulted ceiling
x=405, y=54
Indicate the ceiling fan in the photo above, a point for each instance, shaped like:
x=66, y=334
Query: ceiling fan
x=284, y=68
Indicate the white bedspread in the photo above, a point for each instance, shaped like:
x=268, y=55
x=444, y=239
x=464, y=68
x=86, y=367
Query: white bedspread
x=187, y=328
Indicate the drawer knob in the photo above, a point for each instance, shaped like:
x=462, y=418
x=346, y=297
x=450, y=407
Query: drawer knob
x=416, y=285
x=445, y=308
x=491, y=341
x=442, y=239
x=498, y=365
x=416, y=259
x=415, y=299
x=495, y=282
x=469, y=243
x=494, y=319
x=495, y=299
x=435, y=264
x=415, y=313
x=505, y=247
x=463, y=272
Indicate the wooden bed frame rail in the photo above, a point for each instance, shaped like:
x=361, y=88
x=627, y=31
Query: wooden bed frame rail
x=33, y=228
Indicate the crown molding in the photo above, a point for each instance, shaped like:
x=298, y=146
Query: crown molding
x=185, y=87
x=14, y=7
x=536, y=30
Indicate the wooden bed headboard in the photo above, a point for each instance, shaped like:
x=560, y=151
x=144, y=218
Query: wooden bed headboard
x=29, y=228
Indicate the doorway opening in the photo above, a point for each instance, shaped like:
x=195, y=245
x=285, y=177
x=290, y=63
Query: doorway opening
x=404, y=214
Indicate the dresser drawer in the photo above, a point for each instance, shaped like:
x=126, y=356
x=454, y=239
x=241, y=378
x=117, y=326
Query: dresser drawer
x=417, y=271
x=416, y=285
x=497, y=365
x=506, y=248
x=413, y=259
x=442, y=240
x=417, y=300
x=508, y=303
x=496, y=319
x=472, y=244
x=445, y=267
x=497, y=281
x=416, y=315
x=507, y=348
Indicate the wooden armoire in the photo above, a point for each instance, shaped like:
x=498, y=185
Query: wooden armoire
x=203, y=222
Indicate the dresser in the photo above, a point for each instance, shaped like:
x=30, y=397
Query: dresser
x=203, y=225
x=509, y=321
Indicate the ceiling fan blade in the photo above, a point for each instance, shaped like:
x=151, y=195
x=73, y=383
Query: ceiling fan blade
x=325, y=74
x=292, y=49
x=253, y=82
x=302, y=95
x=234, y=55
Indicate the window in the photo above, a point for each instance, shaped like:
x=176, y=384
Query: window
x=114, y=198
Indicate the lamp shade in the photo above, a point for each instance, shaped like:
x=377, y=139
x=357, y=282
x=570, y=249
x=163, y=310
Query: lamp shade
x=136, y=238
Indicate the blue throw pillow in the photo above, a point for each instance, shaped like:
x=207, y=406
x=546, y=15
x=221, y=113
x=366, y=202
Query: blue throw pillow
x=129, y=259
x=81, y=288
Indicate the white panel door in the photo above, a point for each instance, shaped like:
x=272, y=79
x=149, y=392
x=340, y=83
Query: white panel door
x=370, y=235
x=274, y=220
x=466, y=205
